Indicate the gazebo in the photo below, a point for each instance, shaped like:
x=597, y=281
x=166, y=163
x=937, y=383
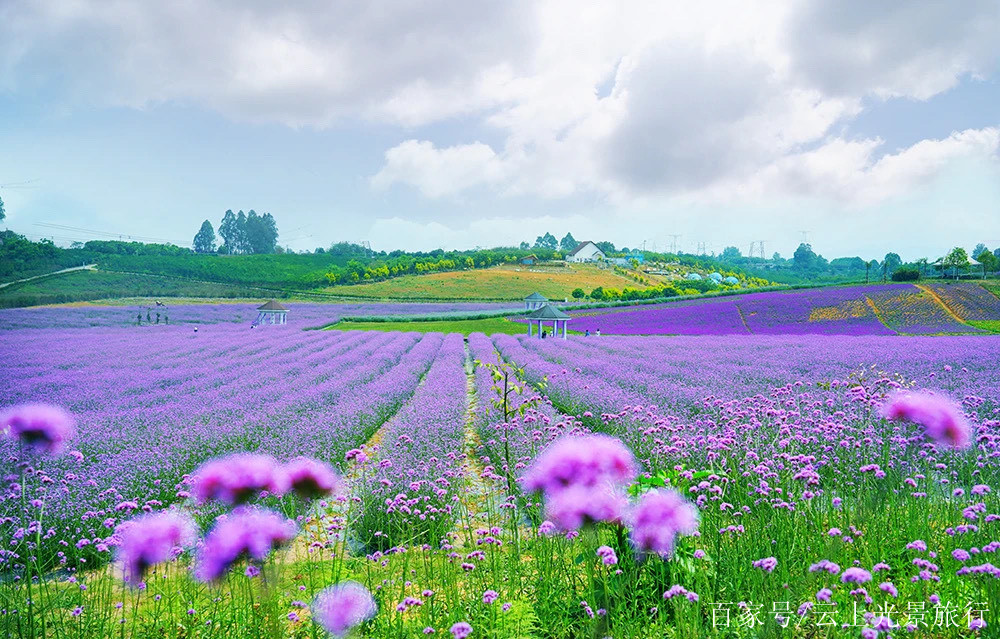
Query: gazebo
x=546, y=313
x=535, y=300
x=271, y=313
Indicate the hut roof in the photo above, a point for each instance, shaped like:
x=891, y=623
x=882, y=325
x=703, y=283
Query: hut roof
x=536, y=297
x=548, y=312
x=272, y=306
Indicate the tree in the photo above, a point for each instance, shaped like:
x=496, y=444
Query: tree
x=891, y=262
x=204, y=240
x=547, y=241
x=988, y=260
x=597, y=293
x=979, y=250
x=578, y=293
x=568, y=243
x=227, y=231
x=958, y=260
x=3, y=213
x=606, y=247
x=261, y=233
x=804, y=257
x=996, y=253
x=731, y=254
x=524, y=246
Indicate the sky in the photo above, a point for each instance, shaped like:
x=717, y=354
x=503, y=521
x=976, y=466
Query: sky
x=863, y=127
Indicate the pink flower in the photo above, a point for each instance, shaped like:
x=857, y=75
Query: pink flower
x=41, y=427
x=238, y=478
x=310, y=478
x=660, y=516
x=151, y=539
x=573, y=507
x=942, y=420
x=341, y=607
x=588, y=461
x=244, y=534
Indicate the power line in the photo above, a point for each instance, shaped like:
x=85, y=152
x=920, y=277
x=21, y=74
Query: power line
x=109, y=234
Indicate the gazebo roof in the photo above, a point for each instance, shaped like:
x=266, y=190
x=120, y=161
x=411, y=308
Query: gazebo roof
x=536, y=297
x=548, y=312
x=272, y=306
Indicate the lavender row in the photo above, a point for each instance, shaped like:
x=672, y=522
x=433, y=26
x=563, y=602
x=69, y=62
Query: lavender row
x=531, y=424
x=137, y=440
x=880, y=309
x=408, y=494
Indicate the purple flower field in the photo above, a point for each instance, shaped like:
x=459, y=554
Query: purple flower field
x=882, y=309
x=691, y=474
x=300, y=315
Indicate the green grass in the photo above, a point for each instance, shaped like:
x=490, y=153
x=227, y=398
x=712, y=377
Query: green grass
x=489, y=326
x=986, y=325
x=82, y=286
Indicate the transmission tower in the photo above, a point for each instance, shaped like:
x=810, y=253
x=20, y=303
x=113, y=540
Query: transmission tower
x=762, y=255
x=701, y=248
x=805, y=236
x=673, y=242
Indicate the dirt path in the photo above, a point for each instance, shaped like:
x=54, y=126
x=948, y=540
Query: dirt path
x=85, y=267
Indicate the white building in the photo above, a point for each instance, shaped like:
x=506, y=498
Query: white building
x=585, y=252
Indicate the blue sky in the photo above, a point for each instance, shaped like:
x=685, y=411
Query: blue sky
x=446, y=124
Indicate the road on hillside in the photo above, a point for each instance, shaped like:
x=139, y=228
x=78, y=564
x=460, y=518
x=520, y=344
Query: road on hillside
x=85, y=267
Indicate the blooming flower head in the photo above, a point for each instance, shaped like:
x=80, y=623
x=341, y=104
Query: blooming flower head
x=151, y=539
x=607, y=555
x=40, y=427
x=587, y=461
x=768, y=564
x=244, y=534
x=661, y=515
x=490, y=596
x=571, y=508
x=942, y=420
x=855, y=575
x=310, y=478
x=461, y=630
x=341, y=607
x=237, y=478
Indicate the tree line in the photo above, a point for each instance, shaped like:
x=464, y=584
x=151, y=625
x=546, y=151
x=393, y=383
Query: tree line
x=241, y=234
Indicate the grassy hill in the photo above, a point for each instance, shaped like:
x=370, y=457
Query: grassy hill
x=506, y=282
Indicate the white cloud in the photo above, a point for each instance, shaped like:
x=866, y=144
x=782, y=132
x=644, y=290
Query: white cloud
x=436, y=172
x=623, y=103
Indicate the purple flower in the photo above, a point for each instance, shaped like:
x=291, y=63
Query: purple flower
x=607, y=555
x=490, y=596
x=588, y=461
x=572, y=507
x=960, y=555
x=768, y=564
x=942, y=420
x=151, y=539
x=824, y=594
x=41, y=427
x=238, y=478
x=245, y=533
x=854, y=575
x=341, y=607
x=887, y=587
x=661, y=515
x=310, y=478
x=461, y=630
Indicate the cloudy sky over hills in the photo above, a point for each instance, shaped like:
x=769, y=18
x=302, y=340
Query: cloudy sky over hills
x=872, y=126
